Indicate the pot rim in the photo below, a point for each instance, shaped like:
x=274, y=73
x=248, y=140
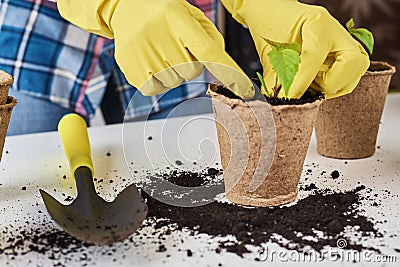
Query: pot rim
x=11, y=102
x=240, y=102
x=5, y=78
x=390, y=69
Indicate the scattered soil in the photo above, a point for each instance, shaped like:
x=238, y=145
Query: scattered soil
x=335, y=174
x=189, y=253
x=187, y=179
x=317, y=221
x=51, y=242
x=161, y=248
x=309, y=187
x=191, y=178
x=40, y=237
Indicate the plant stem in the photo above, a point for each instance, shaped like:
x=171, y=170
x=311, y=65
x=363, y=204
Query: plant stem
x=276, y=87
x=264, y=89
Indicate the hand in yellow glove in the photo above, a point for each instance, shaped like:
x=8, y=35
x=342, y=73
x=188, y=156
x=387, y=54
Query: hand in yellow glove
x=332, y=62
x=154, y=38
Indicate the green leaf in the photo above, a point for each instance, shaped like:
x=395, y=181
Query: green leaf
x=365, y=36
x=362, y=34
x=350, y=24
x=285, y=60
x=264, y=89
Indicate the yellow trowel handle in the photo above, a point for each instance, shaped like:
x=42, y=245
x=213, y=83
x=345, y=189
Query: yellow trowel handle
x=73, y=132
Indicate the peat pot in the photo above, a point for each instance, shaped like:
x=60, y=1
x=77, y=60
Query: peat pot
x=262, y=147
x=347, y=126
x=7, y=104
x=5, y=114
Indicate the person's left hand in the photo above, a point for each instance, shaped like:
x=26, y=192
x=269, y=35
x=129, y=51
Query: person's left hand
x=159, y=44
x=332, y=61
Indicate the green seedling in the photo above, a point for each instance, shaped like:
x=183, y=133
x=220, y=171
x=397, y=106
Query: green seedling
x=361, y=34
x=263, y=85
x=285, y=60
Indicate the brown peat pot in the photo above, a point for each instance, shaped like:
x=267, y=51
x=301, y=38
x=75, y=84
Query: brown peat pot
x=286, y=138
x=7, y=104
x=347, y=126
x=5, y=115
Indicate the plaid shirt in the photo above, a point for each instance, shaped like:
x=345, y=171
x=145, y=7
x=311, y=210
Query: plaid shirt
x=55, y=60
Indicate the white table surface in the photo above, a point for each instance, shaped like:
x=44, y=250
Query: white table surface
x=37, y=161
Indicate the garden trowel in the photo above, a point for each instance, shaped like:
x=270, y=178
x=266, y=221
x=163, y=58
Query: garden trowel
x=89, y=217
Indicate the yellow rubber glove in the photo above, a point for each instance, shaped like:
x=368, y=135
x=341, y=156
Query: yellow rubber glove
x=332, y=62
x=153, y=38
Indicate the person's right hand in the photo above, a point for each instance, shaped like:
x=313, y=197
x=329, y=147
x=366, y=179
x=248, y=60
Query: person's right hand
x=332, y=61
x=159, y=43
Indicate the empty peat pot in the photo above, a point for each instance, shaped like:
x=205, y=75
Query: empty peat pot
x=5, y=115
x=7, y=104
x=252, y=143
x=347, y=126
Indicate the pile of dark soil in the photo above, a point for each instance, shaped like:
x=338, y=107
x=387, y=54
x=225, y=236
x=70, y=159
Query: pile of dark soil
x=324, y=211
x=190, y=178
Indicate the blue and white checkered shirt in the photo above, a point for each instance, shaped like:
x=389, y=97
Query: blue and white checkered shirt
x=54, y=60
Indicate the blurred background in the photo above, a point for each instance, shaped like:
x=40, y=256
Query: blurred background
x=379, y=16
